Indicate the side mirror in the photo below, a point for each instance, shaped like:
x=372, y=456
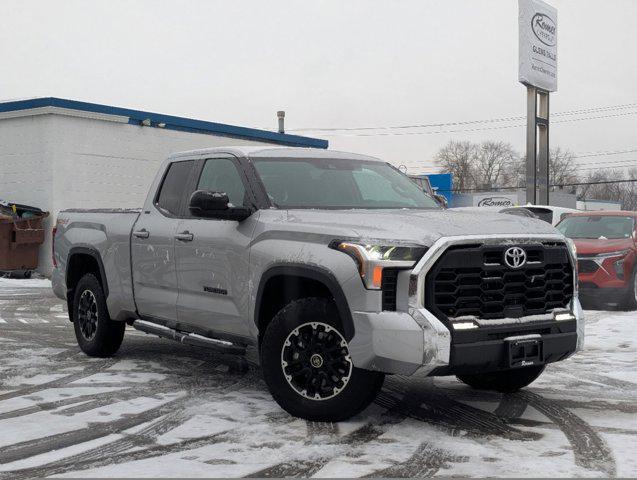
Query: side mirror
x=208, y=204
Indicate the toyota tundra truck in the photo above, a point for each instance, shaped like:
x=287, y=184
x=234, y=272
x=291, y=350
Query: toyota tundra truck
x=334, y=266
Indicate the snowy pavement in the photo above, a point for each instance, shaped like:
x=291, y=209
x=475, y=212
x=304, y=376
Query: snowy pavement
x=163, y=409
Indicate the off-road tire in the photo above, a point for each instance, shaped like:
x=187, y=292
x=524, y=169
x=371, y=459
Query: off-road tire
x=105, y=336
x=630, y=301
x=506, y=381
x=358, y=392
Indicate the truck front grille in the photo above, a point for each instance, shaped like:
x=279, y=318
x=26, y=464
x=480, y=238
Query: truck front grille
x=474, y=280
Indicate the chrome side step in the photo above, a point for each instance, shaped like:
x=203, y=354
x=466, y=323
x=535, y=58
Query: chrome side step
x=222, y=346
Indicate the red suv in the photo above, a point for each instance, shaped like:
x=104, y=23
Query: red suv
x=606, y=255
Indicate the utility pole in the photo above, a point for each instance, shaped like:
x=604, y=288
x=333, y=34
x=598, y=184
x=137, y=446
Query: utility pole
x=538, y=72
x=537, y=146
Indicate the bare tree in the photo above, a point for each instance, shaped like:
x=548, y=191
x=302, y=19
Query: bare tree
x=495, y=165
x=562, y=167
x=458, y=158
x=484, y=165
x=619, y=191
x=489, y=165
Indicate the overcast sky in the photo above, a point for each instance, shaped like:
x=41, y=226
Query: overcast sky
x=331, y=64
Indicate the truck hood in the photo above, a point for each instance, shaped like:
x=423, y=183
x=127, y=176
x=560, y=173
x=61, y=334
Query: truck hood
x=592, y=246
x=421, y=227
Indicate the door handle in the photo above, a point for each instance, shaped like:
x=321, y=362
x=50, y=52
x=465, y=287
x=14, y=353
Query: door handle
x=185, y=236
x=143, y=233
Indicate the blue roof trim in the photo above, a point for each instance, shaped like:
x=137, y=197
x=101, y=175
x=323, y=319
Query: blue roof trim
x=172, y=122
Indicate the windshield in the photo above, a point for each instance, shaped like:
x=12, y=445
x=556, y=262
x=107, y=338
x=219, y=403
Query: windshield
x=339, y=183
x=597, y=226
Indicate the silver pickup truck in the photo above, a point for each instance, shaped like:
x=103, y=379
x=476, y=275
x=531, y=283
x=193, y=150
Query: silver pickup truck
x=335, y=266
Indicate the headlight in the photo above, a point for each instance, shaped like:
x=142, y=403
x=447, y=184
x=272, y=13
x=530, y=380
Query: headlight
x=372, y=259
x=618, y=253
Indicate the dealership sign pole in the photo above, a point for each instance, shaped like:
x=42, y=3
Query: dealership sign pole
x=538, y=72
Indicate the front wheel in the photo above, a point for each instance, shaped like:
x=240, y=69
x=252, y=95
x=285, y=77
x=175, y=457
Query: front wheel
x=96, y=334
x=506, y=381
x=307, y=366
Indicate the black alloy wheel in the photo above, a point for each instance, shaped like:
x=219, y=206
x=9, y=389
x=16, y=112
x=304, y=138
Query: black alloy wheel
x=316, y=361
x=87, y=315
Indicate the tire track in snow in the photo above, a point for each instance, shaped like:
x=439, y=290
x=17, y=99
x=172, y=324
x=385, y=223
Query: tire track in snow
x=65, y=466
x=511, y=406
x=425, y=462
x=590, y=450
x=93, y=368
x=167, y=417
x=30, y=448
x=423, y=401
x=353, y=440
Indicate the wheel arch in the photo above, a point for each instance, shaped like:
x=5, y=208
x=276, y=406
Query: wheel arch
x=304, y=278
x=83, y=260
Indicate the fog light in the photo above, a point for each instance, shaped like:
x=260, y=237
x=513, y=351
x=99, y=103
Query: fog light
x=564, y=316
x=464, y=326
x=619, y=268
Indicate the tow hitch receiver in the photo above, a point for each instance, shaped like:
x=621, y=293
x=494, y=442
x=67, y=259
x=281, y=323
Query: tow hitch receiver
x=524, y=351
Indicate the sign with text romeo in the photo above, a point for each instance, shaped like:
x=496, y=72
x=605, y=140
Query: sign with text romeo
x=538, y=44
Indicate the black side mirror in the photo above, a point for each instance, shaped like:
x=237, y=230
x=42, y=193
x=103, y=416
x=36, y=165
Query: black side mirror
x=208, y=204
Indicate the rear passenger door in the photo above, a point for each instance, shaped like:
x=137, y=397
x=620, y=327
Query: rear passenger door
x=212, y=256
x=153, y=245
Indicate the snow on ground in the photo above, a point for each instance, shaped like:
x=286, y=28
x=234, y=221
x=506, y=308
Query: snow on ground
x=19, y=284
x=161, y=409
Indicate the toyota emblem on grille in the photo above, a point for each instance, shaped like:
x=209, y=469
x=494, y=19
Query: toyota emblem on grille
x=515, y=257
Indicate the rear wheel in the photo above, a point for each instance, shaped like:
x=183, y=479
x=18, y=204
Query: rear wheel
x=506, y=381
x=96, y=334
x=307, y=366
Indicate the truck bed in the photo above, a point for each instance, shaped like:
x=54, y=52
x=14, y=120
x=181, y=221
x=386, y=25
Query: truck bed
x=106, y=232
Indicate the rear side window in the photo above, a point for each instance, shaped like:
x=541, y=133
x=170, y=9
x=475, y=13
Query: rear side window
x=173, y=187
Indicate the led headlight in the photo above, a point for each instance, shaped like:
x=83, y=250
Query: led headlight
x=372, y=259
x=618, y=253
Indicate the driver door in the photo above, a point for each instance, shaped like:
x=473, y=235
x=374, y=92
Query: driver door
x=212, y=256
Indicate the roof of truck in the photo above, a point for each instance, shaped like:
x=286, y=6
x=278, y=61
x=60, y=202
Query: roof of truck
x=275, y=151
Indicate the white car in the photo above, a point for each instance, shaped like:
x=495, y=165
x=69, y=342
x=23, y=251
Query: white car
x=548, y=213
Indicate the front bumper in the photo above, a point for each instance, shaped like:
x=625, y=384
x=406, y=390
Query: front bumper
x=406, y=342
x=603, y=294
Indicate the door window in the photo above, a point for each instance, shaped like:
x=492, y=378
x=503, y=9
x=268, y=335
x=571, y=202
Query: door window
x=173, y=187
x=221, y=175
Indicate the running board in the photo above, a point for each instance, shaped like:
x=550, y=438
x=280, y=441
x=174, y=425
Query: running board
x=222, y=346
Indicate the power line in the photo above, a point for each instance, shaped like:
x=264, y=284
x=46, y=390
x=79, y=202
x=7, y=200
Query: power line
x=610, y=165
x=603, y=153
x=467, y=122
x=468, y=130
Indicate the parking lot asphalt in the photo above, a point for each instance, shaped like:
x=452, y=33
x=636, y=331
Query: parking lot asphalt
x=159, y=408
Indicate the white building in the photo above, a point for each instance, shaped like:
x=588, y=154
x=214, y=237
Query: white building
x=509, y=198
x=57, y=154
